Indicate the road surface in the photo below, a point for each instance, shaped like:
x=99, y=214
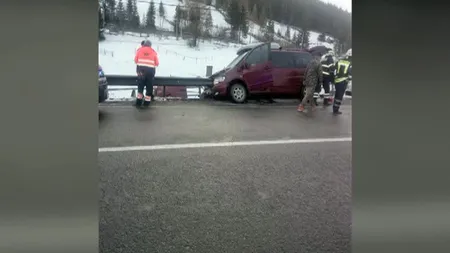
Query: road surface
x=214, y=177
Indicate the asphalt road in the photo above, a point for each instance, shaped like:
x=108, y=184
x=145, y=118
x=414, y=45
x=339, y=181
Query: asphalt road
x=257, y=198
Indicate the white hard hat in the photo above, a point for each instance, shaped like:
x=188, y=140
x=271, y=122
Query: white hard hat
x=349, y=53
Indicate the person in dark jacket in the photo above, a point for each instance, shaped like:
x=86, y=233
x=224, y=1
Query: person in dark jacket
x=328, y=76
x=313, y=76
x=343, y=74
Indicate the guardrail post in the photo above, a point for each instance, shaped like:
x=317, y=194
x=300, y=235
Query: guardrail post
x=209, y=70
x=133, y=93
x=164, y=91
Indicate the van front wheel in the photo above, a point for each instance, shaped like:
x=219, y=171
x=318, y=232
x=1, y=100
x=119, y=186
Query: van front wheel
x=238, y=93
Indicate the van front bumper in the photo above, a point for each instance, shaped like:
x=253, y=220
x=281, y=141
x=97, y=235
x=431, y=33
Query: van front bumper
x=219, y=90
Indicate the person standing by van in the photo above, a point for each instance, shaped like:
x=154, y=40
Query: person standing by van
x=146, y=60
x=328, y=76
x=313, y=77
x=342, y=76
x=137, y=49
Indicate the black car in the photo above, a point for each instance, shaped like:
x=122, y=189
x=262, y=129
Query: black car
x=102, y=86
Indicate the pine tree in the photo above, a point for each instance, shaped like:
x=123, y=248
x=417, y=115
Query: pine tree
x=321, y=37
x=162, y=12
x=262, y=17
x=129, y=13
x=254, y=13
x=136, y=19
x=244, y=24
x=233, y=17
x=195, y=25
x=120, y=15
x=271, y=29
x=298, y=39
x=288, y=33
x=221, y=4
x=101, y=19
x=208, y=23
x=177, y=21
x=101, y=23
x=150, y=21
x=305, y=39
x=109, y=7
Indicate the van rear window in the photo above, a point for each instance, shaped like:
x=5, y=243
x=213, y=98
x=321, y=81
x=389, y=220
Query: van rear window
x=283, y=59
x=302, y=59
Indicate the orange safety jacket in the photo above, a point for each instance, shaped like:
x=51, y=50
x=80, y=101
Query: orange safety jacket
x=146, y=57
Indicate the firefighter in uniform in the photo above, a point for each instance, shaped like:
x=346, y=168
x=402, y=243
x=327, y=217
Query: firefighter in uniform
x=146, y=60
x=343, y=72
x=328, y=76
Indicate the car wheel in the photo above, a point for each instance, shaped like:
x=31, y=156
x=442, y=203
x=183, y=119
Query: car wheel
x=238, y=93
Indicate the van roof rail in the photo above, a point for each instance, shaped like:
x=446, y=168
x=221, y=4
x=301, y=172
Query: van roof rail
x=273, y=45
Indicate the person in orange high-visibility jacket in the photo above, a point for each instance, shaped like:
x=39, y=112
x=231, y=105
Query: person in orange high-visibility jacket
x=139, y=47
x=146, y=60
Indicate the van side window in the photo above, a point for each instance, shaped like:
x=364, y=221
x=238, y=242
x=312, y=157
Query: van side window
x=283, y=59
x=259, y=56
x=302, y=59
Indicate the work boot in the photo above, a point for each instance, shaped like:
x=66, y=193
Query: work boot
x=337, y=112
x=147, y=100
x=326, y=102
x=138, y=102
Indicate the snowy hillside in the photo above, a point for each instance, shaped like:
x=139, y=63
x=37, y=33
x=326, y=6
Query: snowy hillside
x=116, y=53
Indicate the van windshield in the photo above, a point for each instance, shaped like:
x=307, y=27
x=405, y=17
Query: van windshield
x=236, y=60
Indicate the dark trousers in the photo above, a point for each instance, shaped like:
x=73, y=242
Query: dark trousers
x=326, y=87
x=145, y=80
x=339, y=94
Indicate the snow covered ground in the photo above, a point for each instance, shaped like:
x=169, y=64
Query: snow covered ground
x=116, y=53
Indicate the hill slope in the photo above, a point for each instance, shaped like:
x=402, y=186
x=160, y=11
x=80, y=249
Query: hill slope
x=177, y=59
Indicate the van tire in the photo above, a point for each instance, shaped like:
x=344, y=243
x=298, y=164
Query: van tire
x=238, y=93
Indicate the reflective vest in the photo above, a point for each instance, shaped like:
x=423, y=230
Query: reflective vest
x=328, y=66
x=342, y=71
x=146, y=57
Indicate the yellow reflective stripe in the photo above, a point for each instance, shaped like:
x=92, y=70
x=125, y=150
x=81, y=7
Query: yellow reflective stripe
x=346, y=65
x=338, y=80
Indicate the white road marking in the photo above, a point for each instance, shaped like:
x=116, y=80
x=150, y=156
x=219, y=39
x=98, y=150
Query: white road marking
x=222, y=144
x=195, y=106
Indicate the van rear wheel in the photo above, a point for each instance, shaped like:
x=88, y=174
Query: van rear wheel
x=238, y=93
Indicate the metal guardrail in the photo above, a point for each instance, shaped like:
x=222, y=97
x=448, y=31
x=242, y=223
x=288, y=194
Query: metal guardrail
x=131, y=81
x=120, y=80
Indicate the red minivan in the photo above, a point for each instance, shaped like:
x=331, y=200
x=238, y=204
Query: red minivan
x=262, y=69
